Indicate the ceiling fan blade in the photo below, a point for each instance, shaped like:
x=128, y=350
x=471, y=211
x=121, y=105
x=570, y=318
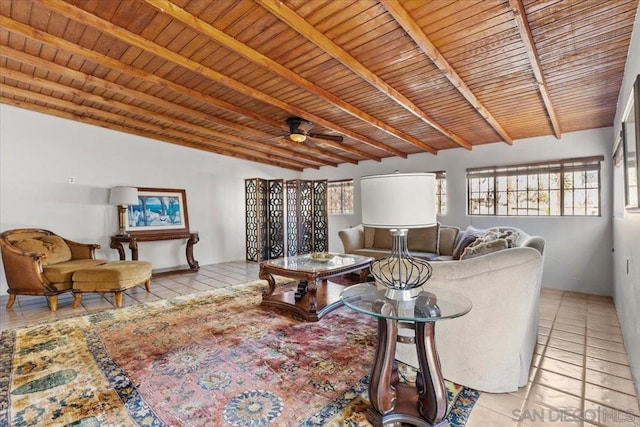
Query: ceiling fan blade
x=336, y=138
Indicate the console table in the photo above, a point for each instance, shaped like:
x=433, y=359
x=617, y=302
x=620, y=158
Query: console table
x=191, y=236
x=424, y=405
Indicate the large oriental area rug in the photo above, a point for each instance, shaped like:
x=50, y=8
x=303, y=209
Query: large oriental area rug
x=214, y=358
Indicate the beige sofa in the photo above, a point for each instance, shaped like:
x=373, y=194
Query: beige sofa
x=437, y=242
x=490, y=348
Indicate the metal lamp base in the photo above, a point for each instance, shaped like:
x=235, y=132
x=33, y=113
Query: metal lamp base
x=401, y=273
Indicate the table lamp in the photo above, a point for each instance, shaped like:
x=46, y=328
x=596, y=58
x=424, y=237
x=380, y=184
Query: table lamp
x=123, y=197
x=399, y=202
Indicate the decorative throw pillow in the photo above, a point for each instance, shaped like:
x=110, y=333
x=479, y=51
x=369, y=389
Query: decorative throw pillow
x=54, y=247
x=447, y=239
x=369, y=233
x=423, y=239
x=480, y=247
x=511, y=236
x=470, y=236
x=382, y=239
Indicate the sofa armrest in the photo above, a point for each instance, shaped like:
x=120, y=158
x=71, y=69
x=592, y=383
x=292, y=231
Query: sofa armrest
x=500, y=331
x=82, y=250
x=352, y=238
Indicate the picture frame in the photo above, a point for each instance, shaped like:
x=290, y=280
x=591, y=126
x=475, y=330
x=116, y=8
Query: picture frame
x=631, y=142
x=160, y=210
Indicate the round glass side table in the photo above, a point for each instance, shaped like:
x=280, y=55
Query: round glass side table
x=425, y=404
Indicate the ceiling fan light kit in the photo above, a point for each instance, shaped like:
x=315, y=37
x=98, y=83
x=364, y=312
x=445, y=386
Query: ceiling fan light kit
x=299, y=131
x=297, y=137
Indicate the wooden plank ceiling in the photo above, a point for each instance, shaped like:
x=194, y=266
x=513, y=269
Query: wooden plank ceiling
x=391, y=77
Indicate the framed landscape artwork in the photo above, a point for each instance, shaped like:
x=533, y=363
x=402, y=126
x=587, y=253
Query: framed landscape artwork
x=158, y=210
x=631, y=140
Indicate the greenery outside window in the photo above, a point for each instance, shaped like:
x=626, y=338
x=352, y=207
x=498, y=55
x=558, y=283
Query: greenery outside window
x=441, y=192
x=567, y=187
x=340, y=197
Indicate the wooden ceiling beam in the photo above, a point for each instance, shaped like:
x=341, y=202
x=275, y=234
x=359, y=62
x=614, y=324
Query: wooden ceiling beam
x=125, y=69
x=168, y=122
x=171, y=109
x=522, y=23
x=76, y=14
x=256, y=57
x=414, y=31
x=153, y=129
x=94, y=122
x=288, y=16
x=43, y=37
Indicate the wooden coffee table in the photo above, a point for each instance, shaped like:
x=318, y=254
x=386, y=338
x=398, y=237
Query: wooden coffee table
x=315, y=296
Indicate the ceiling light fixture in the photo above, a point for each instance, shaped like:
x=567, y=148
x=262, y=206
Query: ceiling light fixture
x=297, y=137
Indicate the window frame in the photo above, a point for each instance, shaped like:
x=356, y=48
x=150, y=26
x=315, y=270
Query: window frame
x=331, y=185
x=536, y=170
x=441, y=192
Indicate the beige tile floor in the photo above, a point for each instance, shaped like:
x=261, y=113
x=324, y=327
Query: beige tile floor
x=580, y=374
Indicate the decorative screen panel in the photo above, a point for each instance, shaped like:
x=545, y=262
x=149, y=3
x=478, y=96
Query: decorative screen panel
x=305, y=211
x=320, y=216
x=276, y=219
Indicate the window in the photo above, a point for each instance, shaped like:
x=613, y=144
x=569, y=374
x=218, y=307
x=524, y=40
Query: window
x=441, y=192
x=340, y=197
x=568, y=187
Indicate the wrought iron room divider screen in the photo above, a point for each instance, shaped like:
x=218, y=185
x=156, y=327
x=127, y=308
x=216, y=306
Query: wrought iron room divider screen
x=306, y=217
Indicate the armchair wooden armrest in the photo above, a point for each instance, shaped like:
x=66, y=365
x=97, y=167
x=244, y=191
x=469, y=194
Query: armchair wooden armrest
x=24, y=271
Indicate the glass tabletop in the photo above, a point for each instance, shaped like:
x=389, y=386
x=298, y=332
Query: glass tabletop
x=317, y=261
x=430, y=305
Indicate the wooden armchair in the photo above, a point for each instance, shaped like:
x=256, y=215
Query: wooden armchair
x=39, y=262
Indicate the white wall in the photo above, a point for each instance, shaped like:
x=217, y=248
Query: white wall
x=626, y=231
x=578, y=249
x=38, y=153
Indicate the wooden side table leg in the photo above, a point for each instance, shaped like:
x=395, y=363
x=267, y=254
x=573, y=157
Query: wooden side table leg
x=193, y=239
x=432, y=393
x=384, y=377
x=118, y=246
x=133, y=245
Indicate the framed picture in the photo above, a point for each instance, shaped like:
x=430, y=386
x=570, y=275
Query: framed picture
x=631, y=141
x=158, y=210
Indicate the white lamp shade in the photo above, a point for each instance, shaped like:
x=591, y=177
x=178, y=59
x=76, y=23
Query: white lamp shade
x=399, y=200
x=123, y=196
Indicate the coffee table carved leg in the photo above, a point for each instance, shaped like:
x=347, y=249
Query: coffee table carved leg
x=432, y=393
x=312, y=286
x=272, y=283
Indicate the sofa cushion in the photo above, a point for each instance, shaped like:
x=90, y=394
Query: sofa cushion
x=470, y=236
x=384, y=253
x=62, y=272
x=54, y=247
x=480, y=247
x=369, y=233
x=447, y=240
x=382, y=238
x=423, y=239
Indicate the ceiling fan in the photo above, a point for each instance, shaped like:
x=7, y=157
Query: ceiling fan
x=299, y=130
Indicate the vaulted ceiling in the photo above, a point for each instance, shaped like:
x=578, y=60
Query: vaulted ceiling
x=381, y=78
